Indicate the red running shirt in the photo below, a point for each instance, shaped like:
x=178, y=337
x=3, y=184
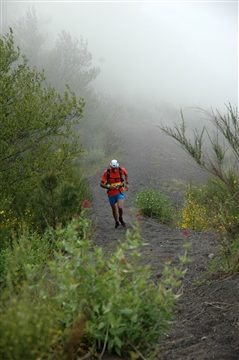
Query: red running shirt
x=114, y=179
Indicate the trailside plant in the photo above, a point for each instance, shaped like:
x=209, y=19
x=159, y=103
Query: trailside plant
x=212, y=208
x=125, y=311
x=217, y=204
x=91, y=303
x=193, y=214
x=25, y=260
x=37, y=133
x=28, y=328
x=222, y=161
x=227, y=262
x=55, y=199
x=154, y=204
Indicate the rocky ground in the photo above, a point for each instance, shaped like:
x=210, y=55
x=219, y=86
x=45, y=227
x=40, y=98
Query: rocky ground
x=206, y=323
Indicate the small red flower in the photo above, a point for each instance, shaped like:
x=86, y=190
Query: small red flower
x=75, y=216
x=122, y=260
x=78, y=228
x=58, y=224
x=85, y=204
x=185, y=233
x=138, y=218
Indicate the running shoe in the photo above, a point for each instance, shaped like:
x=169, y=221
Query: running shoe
x=122, y=222
x=117, y=224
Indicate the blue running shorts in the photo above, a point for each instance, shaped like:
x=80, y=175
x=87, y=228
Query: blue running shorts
x=113, y=199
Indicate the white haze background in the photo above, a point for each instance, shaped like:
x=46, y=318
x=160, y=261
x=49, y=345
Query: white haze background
x=180, y=53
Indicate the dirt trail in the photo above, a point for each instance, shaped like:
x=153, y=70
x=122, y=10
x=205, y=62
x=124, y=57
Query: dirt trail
x=206, y=325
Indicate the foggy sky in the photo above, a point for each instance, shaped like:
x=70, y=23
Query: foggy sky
x=182, y=53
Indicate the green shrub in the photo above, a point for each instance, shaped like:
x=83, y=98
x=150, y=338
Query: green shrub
x=216, y=205
x=26, y=259
x=27, y=328
x=211, y=207
x=125, y=309
x=87, y=303
x=154, y=204
x=95, y=155
x=227, y=262
x=3, y=264
x=56, y=199
x=193, y=215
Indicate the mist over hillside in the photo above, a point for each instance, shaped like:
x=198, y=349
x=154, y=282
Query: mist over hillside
x=155, y=57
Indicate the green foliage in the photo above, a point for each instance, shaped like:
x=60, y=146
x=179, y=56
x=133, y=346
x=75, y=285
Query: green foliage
x=228, y=260
x=99, y=135
x=83, y=302
x=55, y=199
x=154, y=204
x=35, y=123
x=69, y=62
x=3, y=264
x=193, y=215
x=211, y=207
x=28, y=37
x=36, y=137
x=27, y=328
x=223, y=159
x=124, y=309
x=26, y=259
x=214, y=206
x=95, y=155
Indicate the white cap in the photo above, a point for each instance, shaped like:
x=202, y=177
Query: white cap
x=114, y=164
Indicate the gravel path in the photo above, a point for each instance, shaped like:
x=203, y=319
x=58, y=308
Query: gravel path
x=206, y=324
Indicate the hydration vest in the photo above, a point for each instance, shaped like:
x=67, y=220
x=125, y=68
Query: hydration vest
x=121, y=177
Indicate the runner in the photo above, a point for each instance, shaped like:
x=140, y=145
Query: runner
x=113, y=180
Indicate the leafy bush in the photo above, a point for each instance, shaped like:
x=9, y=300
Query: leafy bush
x=40, y=122
x=56, y=199
x=211, y=207
x=215, y=206
x=227, y=262
x=125, y=310
x=193, y=214
x=95, y=155
x=97, y=304
x=26, y=259
x=27, y=328
x=100, y=111
x=154, y=204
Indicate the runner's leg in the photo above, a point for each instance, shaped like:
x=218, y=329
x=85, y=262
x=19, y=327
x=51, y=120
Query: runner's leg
x=120, y=204
x=115, y=212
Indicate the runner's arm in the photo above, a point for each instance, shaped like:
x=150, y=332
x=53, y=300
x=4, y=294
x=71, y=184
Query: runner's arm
x=126, y=177
x=103, y=181
x=103, y=185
